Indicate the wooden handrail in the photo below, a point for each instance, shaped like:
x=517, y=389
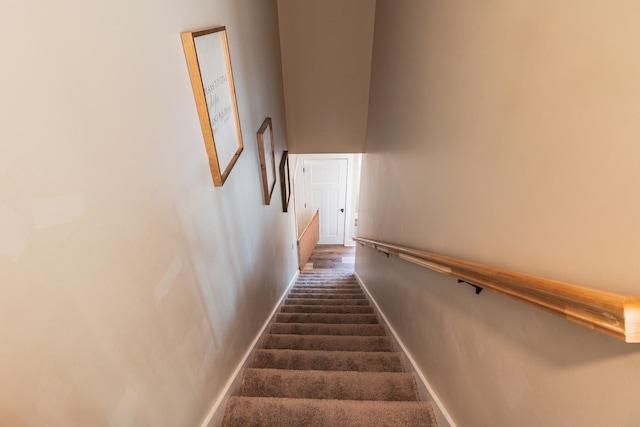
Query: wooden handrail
x=613, y=314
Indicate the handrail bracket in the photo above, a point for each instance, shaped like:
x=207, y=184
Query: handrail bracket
x=478, y=288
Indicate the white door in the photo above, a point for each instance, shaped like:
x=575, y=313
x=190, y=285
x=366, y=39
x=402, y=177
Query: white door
x=325, y=186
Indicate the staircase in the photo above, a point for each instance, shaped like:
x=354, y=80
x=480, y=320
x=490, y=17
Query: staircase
x=326, y=361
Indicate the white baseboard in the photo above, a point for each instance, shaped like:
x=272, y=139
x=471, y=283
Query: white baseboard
x=442, y=416
x=216, y=413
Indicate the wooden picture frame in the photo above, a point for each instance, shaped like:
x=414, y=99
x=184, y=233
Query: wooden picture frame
x=209, y=64
x=267, y=159
x=285, y=181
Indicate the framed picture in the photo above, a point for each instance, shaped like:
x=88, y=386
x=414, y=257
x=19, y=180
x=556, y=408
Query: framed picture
x=267, y=159
x=285, y=181
x=209, y=64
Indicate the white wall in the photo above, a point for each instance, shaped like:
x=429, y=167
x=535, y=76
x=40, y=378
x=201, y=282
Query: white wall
x=353, y=192
x=506, y=133
x=326, y=57
x=131, y=287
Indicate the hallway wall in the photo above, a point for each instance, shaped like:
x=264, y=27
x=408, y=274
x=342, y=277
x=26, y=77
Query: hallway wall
x=506, y=133
x=131, y=287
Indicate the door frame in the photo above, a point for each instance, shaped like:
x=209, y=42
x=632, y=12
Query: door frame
x=330, y=215
x=304, y=214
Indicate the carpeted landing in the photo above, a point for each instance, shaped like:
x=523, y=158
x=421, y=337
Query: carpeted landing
x=326, y=361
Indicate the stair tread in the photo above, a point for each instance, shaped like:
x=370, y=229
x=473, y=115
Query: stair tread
x=288, y=412
x=328, y=342
x=361, y=361
x=325, y=287
x=335, y=289
x=327, y=284
x=327, y=280
x=321, y=286
x=322, y=301
x=321, y=275
x=318, y=384
x=327, y=296
x=326, y=318
x=346, y=309
x=297, y=291
x=361, y=329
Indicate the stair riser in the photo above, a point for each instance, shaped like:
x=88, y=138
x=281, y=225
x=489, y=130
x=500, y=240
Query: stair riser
x=326, y=276
x=327, y=285
x=328, y=343
x=388, y=386
x=320, y=301
x=326, y=318
x=327, y=329
x=278, y=412
x=327, y=296
x=326, y=291
x=302, y=288
x=332, y=282
x=327, y=309
x=328, y=360
x=327, y=282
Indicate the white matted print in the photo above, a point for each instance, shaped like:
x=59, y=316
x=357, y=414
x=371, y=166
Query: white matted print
x=209, y=63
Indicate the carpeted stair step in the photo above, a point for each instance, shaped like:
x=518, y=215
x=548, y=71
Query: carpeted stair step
x=325, y=318
x=330, y=285
x=306, y=275
x=343, y=309
x=325, y=291
x=344, y=285
x=360, y=361
x=319, y=301
x=343, y=289
x=282, y=412
x=327, y=296
x=326, y=282
x=328, y=329
x=327, y=342
x=348, y=385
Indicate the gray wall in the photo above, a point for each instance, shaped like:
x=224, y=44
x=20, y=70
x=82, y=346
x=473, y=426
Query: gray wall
x=506, y=133
x=131, y=287
x=326, y=63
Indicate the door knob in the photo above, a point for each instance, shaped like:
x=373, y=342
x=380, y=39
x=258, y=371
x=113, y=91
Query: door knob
x=341, y=210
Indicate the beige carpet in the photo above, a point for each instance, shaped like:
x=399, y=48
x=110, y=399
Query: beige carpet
x=326, y=361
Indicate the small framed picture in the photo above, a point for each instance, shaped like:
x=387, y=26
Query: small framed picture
x=267, y=159
x=285, y=181
x=209, y=64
